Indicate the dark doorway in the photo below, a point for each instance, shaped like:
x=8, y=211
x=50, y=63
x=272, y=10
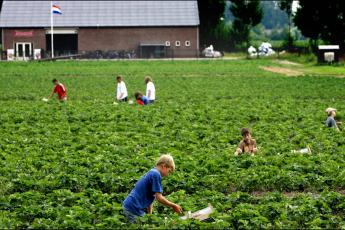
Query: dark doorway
x=64, y=44
x=152, y=51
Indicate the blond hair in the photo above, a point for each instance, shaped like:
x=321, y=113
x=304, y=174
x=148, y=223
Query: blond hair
x=166, y=160
x=148, y=79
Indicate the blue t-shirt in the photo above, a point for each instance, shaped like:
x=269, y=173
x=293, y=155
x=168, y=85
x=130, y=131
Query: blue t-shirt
x=145, y=100
x=330, y=122
x=143, y=192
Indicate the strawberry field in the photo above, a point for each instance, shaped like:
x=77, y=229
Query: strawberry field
x=71, y=165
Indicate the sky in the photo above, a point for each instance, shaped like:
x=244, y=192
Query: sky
x=294, y=6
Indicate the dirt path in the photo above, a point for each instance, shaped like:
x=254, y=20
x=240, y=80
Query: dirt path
x=285, y=62
x=282, y=70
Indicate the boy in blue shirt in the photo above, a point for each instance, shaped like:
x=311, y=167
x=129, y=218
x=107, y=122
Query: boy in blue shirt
x=149, y=188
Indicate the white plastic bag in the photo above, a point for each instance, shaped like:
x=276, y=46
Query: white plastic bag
x=199, y=215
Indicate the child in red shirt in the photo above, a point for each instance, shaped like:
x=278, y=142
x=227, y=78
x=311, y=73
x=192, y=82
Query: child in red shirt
x=60, y=90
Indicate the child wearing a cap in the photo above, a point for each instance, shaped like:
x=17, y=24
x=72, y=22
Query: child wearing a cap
x=247, y=144
x=330, y=122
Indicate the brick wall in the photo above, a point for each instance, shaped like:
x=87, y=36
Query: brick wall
x=130, y=38
x=35, y=36
x=118, y=39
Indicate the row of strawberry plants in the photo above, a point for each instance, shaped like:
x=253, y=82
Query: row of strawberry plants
x=72, y=165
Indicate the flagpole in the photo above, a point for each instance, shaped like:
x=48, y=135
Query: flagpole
x=51, y=29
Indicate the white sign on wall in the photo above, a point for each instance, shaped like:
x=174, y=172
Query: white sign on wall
x=10, y=54
x=37, y=54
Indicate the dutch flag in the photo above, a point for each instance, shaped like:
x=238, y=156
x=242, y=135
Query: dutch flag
x=56, y=9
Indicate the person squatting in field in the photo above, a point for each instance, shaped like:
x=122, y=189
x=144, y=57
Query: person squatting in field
x=247, y=144
x=60, y=90
x=121, y=91
x=148, y=189
x=150, y=89
x=330, y=122
x=141, y=99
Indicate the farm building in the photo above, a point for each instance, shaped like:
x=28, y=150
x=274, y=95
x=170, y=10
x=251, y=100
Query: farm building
x=107, y=29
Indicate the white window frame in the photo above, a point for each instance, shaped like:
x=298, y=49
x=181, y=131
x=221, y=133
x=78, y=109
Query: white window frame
x=167, y=43
x=187, y=43
x=177, y=43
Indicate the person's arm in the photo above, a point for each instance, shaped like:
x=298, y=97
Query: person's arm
x=121, y=92
x=149, y=89
x=254, y=147
x=337, y=128
x=150, y=209
x=161, y=199
x=239, y=149
x=338, y=122
x=334, y=124
x=121, y=95
x=52, y=93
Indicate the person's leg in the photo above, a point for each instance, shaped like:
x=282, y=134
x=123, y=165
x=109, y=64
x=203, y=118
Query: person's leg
x=130, y=216
x=124, y=99
x=64, y=99
x=151, y=101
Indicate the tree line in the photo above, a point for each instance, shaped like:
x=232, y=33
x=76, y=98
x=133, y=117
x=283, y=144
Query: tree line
x=317, y=21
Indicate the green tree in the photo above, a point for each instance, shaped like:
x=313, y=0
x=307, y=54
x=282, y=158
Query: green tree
x=247, y=14
x=286, y=5
x=211, y=13
x=320, y=20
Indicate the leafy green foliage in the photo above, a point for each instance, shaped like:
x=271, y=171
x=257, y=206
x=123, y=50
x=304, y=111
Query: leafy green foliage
x=71, y=165
x=211, y=26
x=247, y=14
x=322, y=21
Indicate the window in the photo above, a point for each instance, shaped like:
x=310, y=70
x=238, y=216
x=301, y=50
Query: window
x=187, y=43
x=167, y=43
x=177, y=43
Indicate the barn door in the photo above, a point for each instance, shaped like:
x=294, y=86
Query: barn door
x=23, y=50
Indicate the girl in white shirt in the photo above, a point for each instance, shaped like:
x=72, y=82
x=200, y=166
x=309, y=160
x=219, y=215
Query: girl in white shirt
x=150, y=89
x=121, y=92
